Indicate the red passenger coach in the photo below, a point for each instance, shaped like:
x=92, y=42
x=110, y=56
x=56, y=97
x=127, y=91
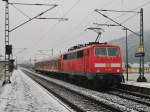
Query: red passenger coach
x=98, y=62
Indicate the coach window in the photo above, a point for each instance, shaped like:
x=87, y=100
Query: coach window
x=74, y=55
x=80, y=54
x=65, y=57
x=70, y=56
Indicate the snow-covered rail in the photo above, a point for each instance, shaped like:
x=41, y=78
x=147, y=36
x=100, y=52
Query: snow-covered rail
x=133, y=96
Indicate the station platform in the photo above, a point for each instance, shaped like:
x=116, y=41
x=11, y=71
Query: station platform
x=25, y=95
x=133, y=85
x=138, y=84
x=140, y=87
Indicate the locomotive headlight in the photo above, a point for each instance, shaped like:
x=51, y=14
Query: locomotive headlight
x=115, y=65
x=118, y=70
x=98, y=70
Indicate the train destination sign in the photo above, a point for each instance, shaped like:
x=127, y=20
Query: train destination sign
x=139, y=54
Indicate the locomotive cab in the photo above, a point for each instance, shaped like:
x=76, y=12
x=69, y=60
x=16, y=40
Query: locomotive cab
x=107, y=63
x=107, y=59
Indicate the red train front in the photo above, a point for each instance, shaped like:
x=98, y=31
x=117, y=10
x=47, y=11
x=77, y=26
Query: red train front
x=100, y=63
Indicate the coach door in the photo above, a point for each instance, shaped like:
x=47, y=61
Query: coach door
x=86, y=60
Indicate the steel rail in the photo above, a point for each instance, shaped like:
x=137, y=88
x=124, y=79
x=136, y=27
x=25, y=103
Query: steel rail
x=130, y=97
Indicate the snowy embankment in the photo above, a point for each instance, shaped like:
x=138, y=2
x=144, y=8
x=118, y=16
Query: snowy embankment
x=24, y=95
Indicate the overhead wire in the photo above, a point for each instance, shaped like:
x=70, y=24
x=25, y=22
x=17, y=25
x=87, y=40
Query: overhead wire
x=40, y=14
x=70, y=32
x=33, y=4
x=83, y=20
x=28, y=16
x=80, y=23
x=68, y=11
x=76, y=3
x=54, y=25
x=129, y=18
x=126, y=20
x=144, y=4
x=20, y=11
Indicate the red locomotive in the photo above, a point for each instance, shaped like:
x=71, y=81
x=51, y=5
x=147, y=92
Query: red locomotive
x=100, y=63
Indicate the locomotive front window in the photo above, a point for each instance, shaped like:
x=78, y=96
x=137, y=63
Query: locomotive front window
x=112, y=51
x=100, y=51
x=106, y=51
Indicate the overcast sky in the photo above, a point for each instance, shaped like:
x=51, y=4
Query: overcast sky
x=60, y=35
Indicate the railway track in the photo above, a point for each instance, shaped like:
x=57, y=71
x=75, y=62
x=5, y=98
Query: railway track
x=125, y=94
x=77, y=101
x=109, y=101
x=133, y=96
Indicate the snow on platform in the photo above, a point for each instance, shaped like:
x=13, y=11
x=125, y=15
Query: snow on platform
x=132, y=77
x=25, y=95
x=138, y=84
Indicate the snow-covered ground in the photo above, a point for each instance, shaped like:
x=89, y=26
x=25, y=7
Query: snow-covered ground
x=139, y=84
x=115, y=101
x=134, y=76
x=24, y=95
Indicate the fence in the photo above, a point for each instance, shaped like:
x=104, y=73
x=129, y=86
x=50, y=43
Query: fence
x=136, y=70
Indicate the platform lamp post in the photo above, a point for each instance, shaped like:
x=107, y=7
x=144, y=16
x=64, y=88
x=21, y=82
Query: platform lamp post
x=127, y=64
x=141, y=52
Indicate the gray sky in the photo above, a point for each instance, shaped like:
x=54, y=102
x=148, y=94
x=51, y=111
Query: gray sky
x=47, y=34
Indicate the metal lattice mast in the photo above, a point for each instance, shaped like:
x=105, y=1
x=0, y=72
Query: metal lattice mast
x=7, y=55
